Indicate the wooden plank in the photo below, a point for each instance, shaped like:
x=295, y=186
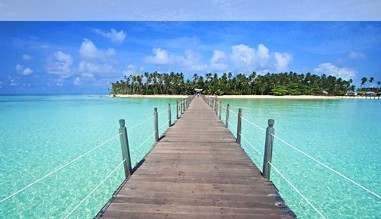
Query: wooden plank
x=197, y=170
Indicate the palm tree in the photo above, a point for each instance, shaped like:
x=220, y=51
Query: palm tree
x=363, y=81
x=371, y=79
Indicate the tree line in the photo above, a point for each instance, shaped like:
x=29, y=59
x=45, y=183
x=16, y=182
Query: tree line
x=365, y=80
x=289, y=83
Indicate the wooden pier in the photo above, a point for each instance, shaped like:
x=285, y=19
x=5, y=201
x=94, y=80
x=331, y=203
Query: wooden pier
x=197, y=170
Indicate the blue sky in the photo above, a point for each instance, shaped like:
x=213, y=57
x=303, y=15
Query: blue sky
x=78, y=47
x=191, y=10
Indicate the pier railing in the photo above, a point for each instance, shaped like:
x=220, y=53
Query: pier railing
x=269, y=136
x=126, y=161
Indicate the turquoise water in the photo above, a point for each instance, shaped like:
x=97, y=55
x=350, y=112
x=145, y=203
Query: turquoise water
x=344, y=134
x=41, y=133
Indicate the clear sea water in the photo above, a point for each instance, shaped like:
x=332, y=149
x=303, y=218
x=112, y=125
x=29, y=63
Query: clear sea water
x=344, y=134
x=41, y=133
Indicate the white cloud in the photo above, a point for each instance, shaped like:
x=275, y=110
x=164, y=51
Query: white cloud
x=113, y=35
x=247, y=59
x=26, y=57
x=60, y=64
x=330, y=69
x=218, y=62
x=88, y=50
x=23, y=70
x=243, y=57
x=89, y=69
x=356, y=55
x=262, y=56
x=160, y=57
x=131, y=69
x=191, y=62
x=282, y=61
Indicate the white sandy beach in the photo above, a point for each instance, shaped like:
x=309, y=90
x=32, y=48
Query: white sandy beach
x=149, y=96
x=296, y=97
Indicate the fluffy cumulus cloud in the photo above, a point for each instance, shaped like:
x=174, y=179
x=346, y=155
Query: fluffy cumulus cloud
x=190, y=61
x=88, y=50
x=242, y=58
x=282, y=61
x=60, y=64
x=330, y=69
x=113, y=35
x=131, y=70
x=159, y=56
x=89, y=69
x=23, y=70
x=218, y=62
x=247, y=59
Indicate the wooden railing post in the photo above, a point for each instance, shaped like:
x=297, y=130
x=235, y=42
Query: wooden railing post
x=156, y=125
x=268, y=149
x=227, y=116
x=216, y=107
x=177, y=109
x=239, y=126
x=220, y=109
x=169, y=115
x=125, y=148
x=182, y=107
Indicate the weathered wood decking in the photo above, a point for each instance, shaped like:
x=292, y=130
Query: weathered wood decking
x=197, y=170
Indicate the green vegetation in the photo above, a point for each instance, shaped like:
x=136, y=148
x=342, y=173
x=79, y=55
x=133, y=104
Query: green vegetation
x=372, y=86
x=269, y=84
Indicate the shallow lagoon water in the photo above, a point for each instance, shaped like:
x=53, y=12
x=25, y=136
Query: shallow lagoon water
x=344, y=134
x=42, y=133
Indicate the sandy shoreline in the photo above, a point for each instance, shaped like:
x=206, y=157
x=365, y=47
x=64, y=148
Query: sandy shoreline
x=149, y=96
x=296, y=97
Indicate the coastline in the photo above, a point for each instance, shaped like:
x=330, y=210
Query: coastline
x=297, y=97
x=286, y=97
x=148, y=96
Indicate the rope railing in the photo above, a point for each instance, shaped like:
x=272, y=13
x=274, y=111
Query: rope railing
x=166, y=123
x=58, y=169
x=95, y=189
x=255, y=125
x=140, y=123
x=304, y=197
x=329, y=168
x=163, y=111
x=243, y=137
x=232, y=112
x=137, y=149
x=234, y=129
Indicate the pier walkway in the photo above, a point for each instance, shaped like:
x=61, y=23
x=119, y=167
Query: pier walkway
x=197, y=170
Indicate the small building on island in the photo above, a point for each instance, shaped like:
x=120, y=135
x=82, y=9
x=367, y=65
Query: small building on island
x=198, y=91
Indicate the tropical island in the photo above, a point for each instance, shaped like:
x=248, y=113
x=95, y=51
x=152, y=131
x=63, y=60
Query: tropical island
x=277, y=84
